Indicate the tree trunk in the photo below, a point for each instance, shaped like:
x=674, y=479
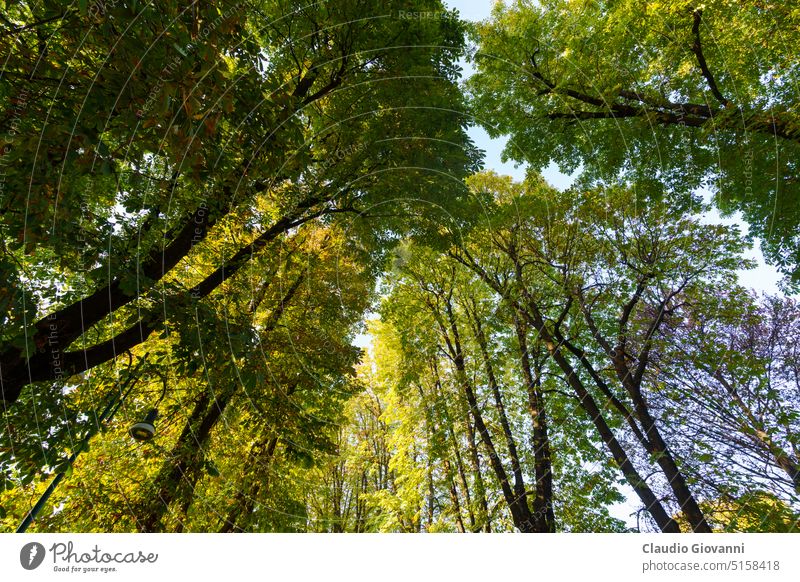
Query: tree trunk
x=520, y=513
x=659, y=451
x=516, y=469
x=259, y=459
x=450, y=429
x=639, y=485
x=51, y=361
x=543, y=503
x=480, y=488
x=180, y=473
x=448, y=471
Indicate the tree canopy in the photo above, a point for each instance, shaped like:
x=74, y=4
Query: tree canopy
x=262, y=233
x=683, y=94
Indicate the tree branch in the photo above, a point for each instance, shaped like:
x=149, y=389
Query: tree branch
x=53, y=363
x=697, y=49
x=18, y=29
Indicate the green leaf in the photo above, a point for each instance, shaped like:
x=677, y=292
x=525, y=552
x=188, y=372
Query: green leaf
x=212, y=469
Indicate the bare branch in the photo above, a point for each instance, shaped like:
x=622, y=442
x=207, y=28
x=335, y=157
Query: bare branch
x=697, y=49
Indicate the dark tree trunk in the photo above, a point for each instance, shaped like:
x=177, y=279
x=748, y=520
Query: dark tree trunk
x=587, y=402
x=259, y=460
x=51, y=361
x=544, y=515
x=454, y=497
x=659, y=450
x=516, y=469
x=450, y=430
x=180, y=473
x=632, y=476
x=520, y=512
x=480, y=488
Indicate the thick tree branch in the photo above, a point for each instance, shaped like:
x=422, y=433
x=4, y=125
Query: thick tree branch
x=697, y=49
x=626, y=413
x=52, y=363
x=664, y=118
x=60, y=329
x=32, y=25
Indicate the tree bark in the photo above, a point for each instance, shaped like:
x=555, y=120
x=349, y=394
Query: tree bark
x=180, y=473
x=50, y=363
x=543, y=503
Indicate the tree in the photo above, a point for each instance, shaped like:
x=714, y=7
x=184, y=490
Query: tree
x=271, y=395
x=171, y=174
x=753, y=512
x=597, y=275
x=683, y=94
x=450, y=336
x=201, y=207
x=201, y=127
x=730, y=380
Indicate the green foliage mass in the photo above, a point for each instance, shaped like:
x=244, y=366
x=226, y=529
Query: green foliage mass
x=206, y=208
x=683, y=94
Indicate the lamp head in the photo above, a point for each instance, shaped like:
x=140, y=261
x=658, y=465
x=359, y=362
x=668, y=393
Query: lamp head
x=145, y=430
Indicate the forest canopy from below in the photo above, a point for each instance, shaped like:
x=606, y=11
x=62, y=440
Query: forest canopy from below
x=257, y=276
